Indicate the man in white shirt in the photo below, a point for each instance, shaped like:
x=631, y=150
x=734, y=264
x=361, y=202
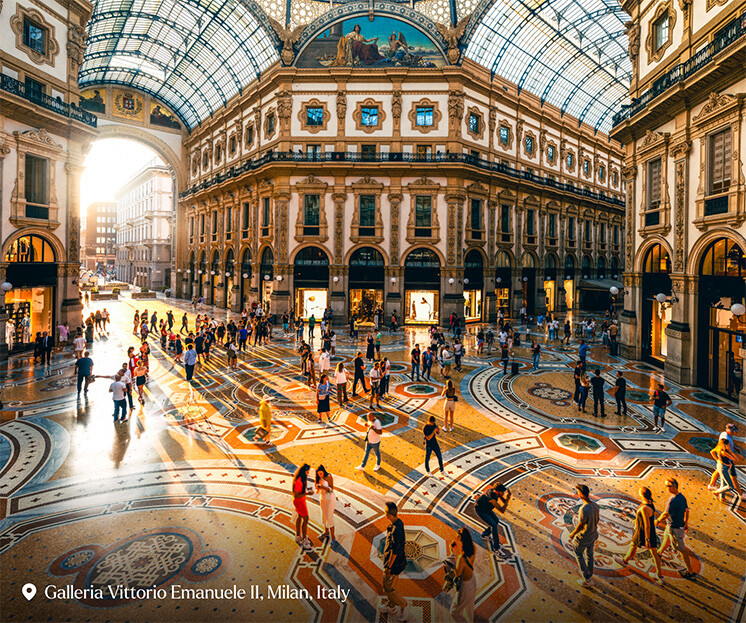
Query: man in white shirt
x=117, y=389
x=79, y=346
x=730, y=430
x=127, y=380
x=372, y=442
x=325, y=362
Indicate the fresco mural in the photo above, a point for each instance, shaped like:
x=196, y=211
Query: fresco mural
x=162, y=117
x=93, y=100
x=384, y=42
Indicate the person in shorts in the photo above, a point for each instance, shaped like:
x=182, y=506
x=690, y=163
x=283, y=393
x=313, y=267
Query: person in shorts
x=676, y=519
x=661, y=400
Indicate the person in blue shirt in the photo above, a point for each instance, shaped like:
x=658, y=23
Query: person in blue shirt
x=243, y=335
x=583, y=352
x=190, y=360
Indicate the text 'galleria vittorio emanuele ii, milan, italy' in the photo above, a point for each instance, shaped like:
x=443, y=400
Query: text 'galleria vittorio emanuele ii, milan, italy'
x=372, y=310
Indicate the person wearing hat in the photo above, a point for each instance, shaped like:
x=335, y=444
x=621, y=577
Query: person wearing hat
x=583, y=537
x=730, y=430
x=264, y=432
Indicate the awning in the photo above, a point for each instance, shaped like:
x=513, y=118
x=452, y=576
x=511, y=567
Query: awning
x=599, y=284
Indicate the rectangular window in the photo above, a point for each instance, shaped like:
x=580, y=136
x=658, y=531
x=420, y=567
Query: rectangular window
x=191, y=229
x=504, y=135
x=588, y=225
x=586, y=166
x=550, y=153
x=569, y=161
x=720, y=162
x=602, y=233
x=616, y=235
x=250, y=135
x=265, y=216
x=33, y=36
x=654, y=184
x=37, y=187
x=367, y=215
x=423, y=216
x=311, y=215
x=660, y=31
x=531, y=223
x=314, y=116
x=202, y=227
x=369, y=115
x=474, y=125
x=552, y=228
x=476, y=219
x=424, y=116
x=245, y=221
x=34, y=88
x=271, y=125
x=313, y=152
x=505, y=223
x=228, y=222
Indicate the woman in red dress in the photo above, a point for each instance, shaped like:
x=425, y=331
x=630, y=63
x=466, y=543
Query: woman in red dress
x=300, y=484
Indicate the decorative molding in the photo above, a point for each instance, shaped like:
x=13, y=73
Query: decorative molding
x=76, y=42
x=267, y=117
x=663, y=9
x=311, y=186
x=366, y=186
x=681, y=149
x=653, y=140
x=303, y=116
x=284, y=105
x=288, y=36
x=479, y=135
x=717, y=103
x=455, y=111
x=423, y=186
x=713, y=3
x=357, y=116
x=509, y=145
x=341, y=104
x=452, y=36
x=529, y=135
x=437, y=115
x=51, y=47
x=395, y=199
x=396, y=104
x=680, y=224
x=632, y=30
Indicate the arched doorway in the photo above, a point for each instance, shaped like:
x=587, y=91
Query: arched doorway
x=722, y=283
x=245, y=277
x=266, y=275
x=215, y=278
x=202, y=274
x=473, y=285
x=601, y=267
x=586, y=267
x=528, y=282
x=365, y=283
x=503, y=283
x=422, y=287
x=32, y=271
x=191, y=276
x=550, y=281
x=569, y=283
x=656, y=315
x=311, y=282
x=230, y=270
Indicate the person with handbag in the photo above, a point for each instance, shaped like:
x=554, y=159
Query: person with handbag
x=465, y=582
x=394, y=562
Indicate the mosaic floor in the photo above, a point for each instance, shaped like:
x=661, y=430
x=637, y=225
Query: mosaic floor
x=181, y=497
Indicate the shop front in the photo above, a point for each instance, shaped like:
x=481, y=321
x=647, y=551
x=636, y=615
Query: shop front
x=656, y=314
x=503, y=279
x=550, y=282
x=722, y=284
x=228, y=283
x=215, y=279
x=473, y=286
x=30, y=304
x=528, y=283
x=569, y=283
x=422, y=287
x=245, y=280
x=311, y=282
x=266, y=276
x=365, y=283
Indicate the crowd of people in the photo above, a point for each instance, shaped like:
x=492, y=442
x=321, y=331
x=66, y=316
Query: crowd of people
x=195, y=343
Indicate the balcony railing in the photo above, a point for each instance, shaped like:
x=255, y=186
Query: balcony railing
x=16, y=87
x=731, y=33
x=342, y=156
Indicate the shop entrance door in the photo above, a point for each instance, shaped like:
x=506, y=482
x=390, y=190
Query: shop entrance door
x=726, y=363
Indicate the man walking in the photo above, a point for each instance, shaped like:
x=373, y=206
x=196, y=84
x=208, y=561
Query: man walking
x=584, y=536
x=184, y=324
x=415, y=362
x=394, y=562
x=47, y=341
x=427, y=363
x=359, y=373
x=84, y=368
x=661, y=400
x=126, y=378
x=676, y=518
x=583, y=352
x=170, y=319
x=190, y=360
x=117, y=389
x=621, y=394
x=597, y=382
x=372, y=442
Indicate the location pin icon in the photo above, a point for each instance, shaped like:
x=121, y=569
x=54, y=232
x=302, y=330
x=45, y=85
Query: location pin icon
x=29, y=590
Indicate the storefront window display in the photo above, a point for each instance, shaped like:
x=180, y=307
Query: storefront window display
x=569, y=294
x=363, y=302
x=549, y=293
x=30, y=310
x=422, y=306
x=473, y=304
x=310, y=302
x=661, y=320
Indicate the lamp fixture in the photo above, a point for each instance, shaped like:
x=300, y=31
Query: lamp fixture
x=393, y=279
x=267, y=277
x=6, y=286
x=525, y=279
x=245, y=275
x=227, y=273
x=335, y=279
x=614, y=290
x=466, y=280
x=451, y=280
x=498, y=279
x=279, y=277
x=212, y=272
x=666, y=302
x=737, y=309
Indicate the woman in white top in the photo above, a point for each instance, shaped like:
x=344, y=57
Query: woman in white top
x=325, y=488
x=341, y=379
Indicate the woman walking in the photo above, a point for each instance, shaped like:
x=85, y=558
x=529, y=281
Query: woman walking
x=141, y=374
x=585, y=385
x=450, y=394
x=645, y=535
x=325, y=488
x=725, y=459
x=178, y=348
x=370, y=349
x=462, y=547
x=232, y=355
x=323, y=392
x=300, y=485
x=341, y=380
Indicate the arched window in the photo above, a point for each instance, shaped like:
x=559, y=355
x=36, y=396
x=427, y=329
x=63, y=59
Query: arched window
x=528, y=261
x=723, y=258
x=502, y=260
x=550, y=262
x=657, y=260
x=601, y=266
x=246, y=264
x=30, y=249
x=569, y=265
x=229, y=262
x=586, y=265
x=422, y=266
x=614, y=267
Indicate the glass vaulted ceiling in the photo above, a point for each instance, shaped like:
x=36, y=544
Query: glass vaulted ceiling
x=195, y=55
x=570, y=53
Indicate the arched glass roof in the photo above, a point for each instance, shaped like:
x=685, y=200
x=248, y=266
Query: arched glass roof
x=570, y=53
x=194, y=55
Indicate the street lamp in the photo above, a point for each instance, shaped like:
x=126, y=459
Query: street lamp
x=614, y=290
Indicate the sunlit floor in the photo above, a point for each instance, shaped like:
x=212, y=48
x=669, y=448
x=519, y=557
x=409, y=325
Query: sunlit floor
x=180, y=497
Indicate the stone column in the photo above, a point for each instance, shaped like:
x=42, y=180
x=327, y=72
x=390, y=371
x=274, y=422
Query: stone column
x=629, y=329
x=489, y=277
x=70, y=309
x=394, y=291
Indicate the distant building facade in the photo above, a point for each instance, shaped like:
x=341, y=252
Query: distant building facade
x=144, y=209
x=98, y=248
